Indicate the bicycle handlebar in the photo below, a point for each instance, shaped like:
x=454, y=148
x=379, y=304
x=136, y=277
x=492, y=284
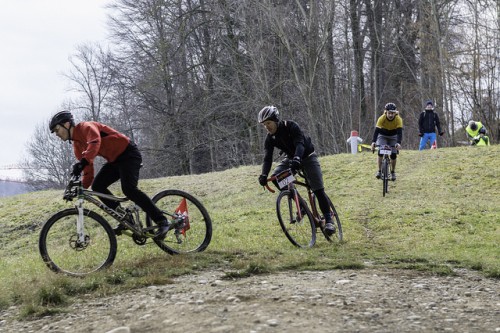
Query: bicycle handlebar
x=267, y=187
x=377, y=147
x=70, y=192
x=275, y=177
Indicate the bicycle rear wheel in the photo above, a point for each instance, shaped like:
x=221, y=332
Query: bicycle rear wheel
x=336, y=220
x=63, y=251
x=301, y=232
x=385, y=176
x=194, y=233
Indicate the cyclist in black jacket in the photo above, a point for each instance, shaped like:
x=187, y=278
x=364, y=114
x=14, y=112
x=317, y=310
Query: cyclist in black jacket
x=427, y=123
x=288, y=137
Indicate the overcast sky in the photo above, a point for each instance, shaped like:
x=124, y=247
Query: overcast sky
x=37, y=37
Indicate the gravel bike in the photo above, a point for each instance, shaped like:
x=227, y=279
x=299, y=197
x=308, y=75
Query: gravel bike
x=386, y=168
x=297, y=220
x=78, y=241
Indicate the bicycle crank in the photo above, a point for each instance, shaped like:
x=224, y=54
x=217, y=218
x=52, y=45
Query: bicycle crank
x=139, y=240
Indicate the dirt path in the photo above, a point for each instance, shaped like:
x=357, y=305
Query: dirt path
x=370, y=300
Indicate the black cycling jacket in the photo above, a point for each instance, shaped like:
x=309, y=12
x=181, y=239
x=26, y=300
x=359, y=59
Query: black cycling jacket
x=290, y=139
x=428, y=121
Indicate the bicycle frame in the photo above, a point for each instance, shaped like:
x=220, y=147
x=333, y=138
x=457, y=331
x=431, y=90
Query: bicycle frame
x=78, y=240
x=91, y=196
x=386, y=166
x=306, y=210
x=291, y=186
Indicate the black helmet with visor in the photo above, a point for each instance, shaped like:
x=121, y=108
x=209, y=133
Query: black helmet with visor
x=390, y=107
x=61, y=118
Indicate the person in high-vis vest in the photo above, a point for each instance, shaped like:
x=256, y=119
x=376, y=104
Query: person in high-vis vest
x=481, y=139
x=472, y=131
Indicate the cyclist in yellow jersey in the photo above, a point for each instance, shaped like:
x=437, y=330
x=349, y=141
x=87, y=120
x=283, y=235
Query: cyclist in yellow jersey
x=388, y=131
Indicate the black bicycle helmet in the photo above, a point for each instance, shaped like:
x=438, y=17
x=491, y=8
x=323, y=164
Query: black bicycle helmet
x=268, y=113
x=61, y=118
x=473, y=125
x=390, y=107
x=482, y=130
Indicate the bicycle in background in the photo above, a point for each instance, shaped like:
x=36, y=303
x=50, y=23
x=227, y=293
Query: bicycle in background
x=386, y=168
x=78, y=241
x=297, y=220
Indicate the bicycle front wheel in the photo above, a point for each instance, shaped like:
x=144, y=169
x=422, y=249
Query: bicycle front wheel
x=385, y=176
x=300, y=231
x=64, y=251
x=192, y=235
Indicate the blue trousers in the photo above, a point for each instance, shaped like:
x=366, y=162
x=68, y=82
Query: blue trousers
x=431, y=137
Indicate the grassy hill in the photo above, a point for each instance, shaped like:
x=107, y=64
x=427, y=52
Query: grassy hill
x=443, y=212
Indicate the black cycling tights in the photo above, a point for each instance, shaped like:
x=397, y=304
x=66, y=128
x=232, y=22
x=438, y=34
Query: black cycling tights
x=126, y=169
x=323, y=201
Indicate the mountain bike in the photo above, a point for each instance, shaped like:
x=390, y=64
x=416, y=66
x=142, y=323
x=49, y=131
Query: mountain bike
x=386, y=168
x=78, y=241
x=297, y=220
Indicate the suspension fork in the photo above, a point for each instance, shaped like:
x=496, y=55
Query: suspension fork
x=80, y=230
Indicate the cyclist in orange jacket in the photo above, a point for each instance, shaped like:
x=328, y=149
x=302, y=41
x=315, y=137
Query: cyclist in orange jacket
x=91, y=139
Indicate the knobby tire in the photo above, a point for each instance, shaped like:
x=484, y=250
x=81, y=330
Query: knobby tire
x=199, y=235
x=61, y=251
x=385, y=176
x=301, y=233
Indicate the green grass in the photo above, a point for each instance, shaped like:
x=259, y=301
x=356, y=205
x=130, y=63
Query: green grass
x=443, y=212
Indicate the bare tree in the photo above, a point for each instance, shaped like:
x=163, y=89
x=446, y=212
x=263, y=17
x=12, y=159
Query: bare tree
x=91, y=78
x=49, y=160
x=186, y=78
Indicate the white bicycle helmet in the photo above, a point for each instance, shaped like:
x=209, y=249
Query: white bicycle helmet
x=268, y=113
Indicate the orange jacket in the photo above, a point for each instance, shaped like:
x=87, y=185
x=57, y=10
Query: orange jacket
x=91, y=139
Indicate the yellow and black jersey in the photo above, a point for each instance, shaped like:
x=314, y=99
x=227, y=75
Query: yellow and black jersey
x=389, y=127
